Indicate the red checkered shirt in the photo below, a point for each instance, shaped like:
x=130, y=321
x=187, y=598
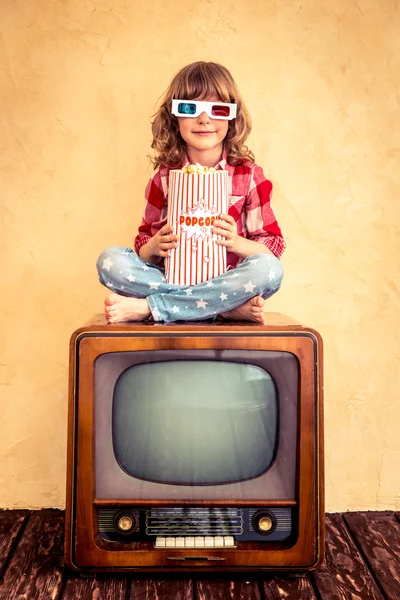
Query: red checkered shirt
x=249, y=204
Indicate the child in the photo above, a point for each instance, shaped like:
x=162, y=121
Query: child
x=249, y=231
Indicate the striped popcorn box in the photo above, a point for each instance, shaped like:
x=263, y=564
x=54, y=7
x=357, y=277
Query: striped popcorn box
x=194, y=202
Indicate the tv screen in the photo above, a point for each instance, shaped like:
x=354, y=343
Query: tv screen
x=194, y=422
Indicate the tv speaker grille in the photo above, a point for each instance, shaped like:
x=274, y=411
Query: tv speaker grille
x=194, y=521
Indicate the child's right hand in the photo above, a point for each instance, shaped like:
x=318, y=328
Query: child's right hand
x=163, y=241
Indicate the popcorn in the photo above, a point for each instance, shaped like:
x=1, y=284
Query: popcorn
x=197, y=169
x=197, y=195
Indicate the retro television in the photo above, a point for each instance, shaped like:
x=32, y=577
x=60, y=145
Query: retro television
x=195, y=447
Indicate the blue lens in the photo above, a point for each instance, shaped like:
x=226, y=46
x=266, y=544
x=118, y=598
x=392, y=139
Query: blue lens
x=186, y=108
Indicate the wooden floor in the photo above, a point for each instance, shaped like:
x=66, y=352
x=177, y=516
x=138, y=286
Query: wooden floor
x=362, y=562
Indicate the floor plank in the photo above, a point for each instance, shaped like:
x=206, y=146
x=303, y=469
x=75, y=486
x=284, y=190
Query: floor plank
x=11, y=524
x=108, y=587
x=378, y=537
x=34, y=570
x=223, y=589
x=161, y=589
x=299, y=588
x=343, y=575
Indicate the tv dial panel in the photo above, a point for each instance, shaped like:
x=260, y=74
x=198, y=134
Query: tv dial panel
x=195, y=527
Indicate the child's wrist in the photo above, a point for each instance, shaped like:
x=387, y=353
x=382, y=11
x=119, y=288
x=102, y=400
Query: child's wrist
x=147, y=252
x=240, y=247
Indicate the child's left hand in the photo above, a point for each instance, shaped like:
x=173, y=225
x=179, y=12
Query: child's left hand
x=225, y=226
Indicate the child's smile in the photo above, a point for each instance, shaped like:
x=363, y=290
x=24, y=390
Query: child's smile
x=203, y=133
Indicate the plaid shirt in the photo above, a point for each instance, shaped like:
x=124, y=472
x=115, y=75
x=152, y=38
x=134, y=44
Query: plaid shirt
x=249, y=204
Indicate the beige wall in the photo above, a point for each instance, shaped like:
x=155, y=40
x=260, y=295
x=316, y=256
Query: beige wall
x=79, y=82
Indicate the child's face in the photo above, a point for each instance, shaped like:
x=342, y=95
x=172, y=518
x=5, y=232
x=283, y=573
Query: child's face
x=203, y=135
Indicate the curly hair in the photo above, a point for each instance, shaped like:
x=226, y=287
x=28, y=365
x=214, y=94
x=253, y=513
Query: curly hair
x=199, y=80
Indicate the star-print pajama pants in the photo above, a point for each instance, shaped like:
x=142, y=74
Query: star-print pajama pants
x=124, y=272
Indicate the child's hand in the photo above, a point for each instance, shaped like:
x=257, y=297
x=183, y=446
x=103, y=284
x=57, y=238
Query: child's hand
x=226, y=227
x=163, y=241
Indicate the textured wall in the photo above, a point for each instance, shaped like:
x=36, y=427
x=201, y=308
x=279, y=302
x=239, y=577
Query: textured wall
x=79, y=82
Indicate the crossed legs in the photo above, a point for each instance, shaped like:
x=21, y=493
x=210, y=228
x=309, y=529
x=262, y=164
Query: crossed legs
x=139, y=290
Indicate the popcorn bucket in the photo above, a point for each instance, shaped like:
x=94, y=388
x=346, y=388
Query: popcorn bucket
x=194, y=202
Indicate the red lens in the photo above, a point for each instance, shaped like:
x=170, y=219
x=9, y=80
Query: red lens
x=220, y=111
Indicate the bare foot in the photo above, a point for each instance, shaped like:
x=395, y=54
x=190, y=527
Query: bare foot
x=252, y=310
x=121, y=308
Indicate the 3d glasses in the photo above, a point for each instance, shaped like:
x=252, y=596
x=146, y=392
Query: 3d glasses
x=194, y=108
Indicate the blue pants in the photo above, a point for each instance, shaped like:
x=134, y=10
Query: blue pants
x=125, y=273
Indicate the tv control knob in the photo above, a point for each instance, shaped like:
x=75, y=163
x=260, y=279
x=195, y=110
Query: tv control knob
x=264, y=522
x=126, y=522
